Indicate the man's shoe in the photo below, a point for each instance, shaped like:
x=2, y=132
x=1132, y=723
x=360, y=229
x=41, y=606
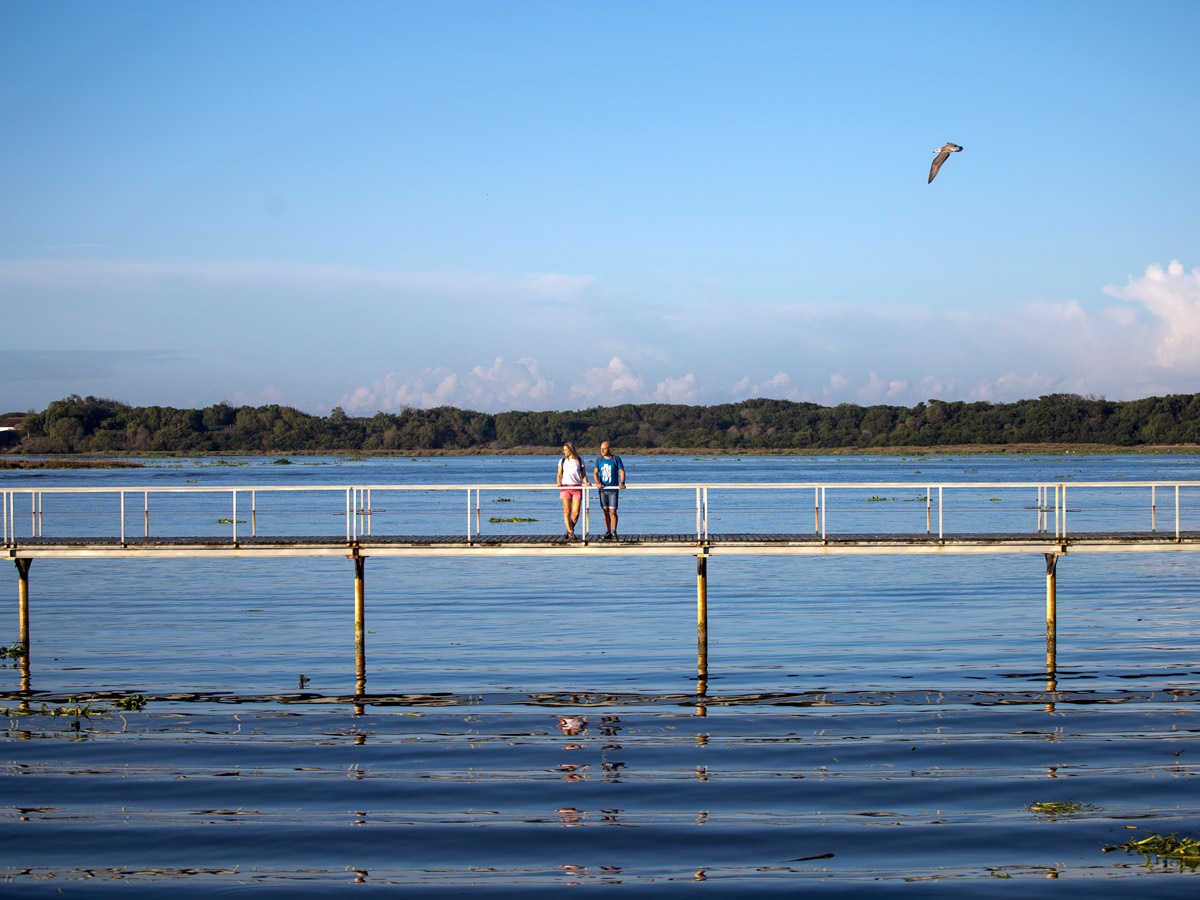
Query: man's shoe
x=607, y=536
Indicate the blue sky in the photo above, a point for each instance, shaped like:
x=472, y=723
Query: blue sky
x=558, y=205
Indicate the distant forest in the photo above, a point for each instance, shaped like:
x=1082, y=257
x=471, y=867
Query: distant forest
x=92, y=425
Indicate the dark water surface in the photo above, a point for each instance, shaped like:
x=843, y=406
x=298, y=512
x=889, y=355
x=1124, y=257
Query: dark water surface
x=868, y=723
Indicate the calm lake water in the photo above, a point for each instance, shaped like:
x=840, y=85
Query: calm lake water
x=868, y=723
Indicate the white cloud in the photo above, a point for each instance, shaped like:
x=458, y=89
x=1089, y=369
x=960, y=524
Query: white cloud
x=778, y=387
x=500, y=385
x=614, y=383
x=1174, y=297
x=677, y=390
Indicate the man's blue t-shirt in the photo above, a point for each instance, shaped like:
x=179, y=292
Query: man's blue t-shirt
x=610, y=470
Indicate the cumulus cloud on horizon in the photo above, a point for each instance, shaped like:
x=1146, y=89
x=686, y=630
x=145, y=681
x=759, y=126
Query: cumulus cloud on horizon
x=1174, y=297
x=457, y=335
x=497, y=386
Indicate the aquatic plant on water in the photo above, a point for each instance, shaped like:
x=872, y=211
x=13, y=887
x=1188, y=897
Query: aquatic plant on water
x=510, y=519
x=1061, y=808
x=1165, y=848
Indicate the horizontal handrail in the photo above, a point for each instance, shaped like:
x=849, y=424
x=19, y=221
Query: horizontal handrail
x=1051, y=499
x=546, y=486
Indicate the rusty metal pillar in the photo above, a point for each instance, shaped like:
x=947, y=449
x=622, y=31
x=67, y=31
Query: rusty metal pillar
x=360, y=632
x=701, y=629
x=1051, y=613
x=23, y=604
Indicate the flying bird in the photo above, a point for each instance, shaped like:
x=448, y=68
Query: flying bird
x=943, y=153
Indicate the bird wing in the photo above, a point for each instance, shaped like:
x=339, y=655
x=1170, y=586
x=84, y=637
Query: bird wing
x=937, y=164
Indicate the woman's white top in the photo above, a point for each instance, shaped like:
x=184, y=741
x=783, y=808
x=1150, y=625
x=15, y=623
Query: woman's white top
x=572, y=471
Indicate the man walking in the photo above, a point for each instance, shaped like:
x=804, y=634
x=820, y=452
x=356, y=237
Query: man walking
x=609, y=476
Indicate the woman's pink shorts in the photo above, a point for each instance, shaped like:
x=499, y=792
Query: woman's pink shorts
x=571, y=493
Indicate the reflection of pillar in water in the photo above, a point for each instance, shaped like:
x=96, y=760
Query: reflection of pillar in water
x=360, y=641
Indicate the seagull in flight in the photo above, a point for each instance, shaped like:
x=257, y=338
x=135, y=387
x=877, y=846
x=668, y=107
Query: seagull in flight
x=943, y=153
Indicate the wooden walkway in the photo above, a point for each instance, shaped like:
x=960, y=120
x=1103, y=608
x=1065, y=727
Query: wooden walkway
x=679, y=544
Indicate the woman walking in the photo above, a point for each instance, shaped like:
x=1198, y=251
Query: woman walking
x=571, y=480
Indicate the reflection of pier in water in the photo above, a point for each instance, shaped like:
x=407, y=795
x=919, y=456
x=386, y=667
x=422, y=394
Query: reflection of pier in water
x=1115, y=517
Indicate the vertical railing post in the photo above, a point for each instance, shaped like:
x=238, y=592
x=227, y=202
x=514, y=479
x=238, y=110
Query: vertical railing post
x=941, y=520
x=706, y=513
x=1176, y=512
x=122, y=517
x=928, y=509
x=816, y=510
x=1064, y=499
x=235, y=515
x=468, y=515
x=348, y=538
x=1153, y=509
x=146, y=514
x=253, y=514
x=698, y=501
x=824, y=513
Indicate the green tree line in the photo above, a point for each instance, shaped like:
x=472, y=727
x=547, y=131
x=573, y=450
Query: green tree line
x=94, y=425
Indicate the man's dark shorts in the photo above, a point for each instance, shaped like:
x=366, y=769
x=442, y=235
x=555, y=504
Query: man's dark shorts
x=609, y=498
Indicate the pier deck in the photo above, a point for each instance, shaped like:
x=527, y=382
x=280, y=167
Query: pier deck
x=679, y=544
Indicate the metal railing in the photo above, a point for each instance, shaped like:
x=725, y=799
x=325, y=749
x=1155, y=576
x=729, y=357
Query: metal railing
x=90, y=508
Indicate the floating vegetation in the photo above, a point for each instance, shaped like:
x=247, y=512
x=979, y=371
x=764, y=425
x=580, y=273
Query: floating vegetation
x=15, y=650
x=510, y=519
x=502, y=500
x=228, y=463
x=231, y=522
x=68, y=464
x=994, y=500
x=132, y=703
x=1061, y=808
x=878, y=499
x=282, y=461
x=1171, y=847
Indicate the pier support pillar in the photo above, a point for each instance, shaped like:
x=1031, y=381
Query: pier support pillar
x=23, y=604
x=360, y=632
x=1051, y=613
x=701, y=628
